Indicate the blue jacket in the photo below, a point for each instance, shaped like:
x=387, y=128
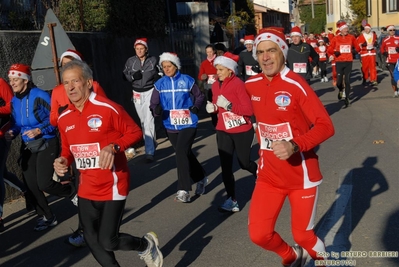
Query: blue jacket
x=396, y=72
x=31, y=111
x=175, y=94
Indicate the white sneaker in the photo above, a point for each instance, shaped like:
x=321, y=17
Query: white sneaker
x=326, y=79
x=343, y=94
x=229, y=206
x=396, y=94
x=322, y=80
x=300, y=260
x=152, y=256
x=201, y=186
x=182, y=196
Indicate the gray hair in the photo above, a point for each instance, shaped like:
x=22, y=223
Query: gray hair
x=87, y=73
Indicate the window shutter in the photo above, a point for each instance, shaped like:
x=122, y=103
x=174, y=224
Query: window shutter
x=384, y=6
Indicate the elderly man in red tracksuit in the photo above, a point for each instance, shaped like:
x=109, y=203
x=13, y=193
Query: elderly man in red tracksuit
x=291, y=122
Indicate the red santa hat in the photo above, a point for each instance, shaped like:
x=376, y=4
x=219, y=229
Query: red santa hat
x=228, y=60
x=249, y=39
x=142, y=41
x=390, y=27
x=274, y=34
x=342, y=25
x=19, y=71
x=367, y=26
x=323, y=34
x=171, y=57
x=71, y=53
x=296, y=31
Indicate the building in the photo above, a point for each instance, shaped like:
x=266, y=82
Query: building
x=337, y=10
x=272, y=13
x=381, y=13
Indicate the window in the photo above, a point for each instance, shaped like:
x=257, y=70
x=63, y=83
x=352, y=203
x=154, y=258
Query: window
x=390, y=6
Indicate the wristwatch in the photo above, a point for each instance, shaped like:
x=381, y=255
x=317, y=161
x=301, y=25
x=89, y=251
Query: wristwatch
x=295, y=147
x=115, y=148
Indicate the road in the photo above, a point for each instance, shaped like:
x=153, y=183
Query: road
x=357, y=210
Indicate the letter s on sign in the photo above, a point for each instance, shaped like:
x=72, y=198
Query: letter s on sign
x=45, y=41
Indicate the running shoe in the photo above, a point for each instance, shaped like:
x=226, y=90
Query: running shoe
x=43, y=223
x=325, y=79
x=229, y=206
x=77, y=239
x=347, y=104
x=340, y=95
x=201, y=186
x=396, y=94
x=300, y=260
x=343, y=94
x=149, y=158
x=375, y=83
x=182, y=196
x=152, y=256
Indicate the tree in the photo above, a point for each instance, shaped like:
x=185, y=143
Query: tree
x=316, y=24
x=359, y=10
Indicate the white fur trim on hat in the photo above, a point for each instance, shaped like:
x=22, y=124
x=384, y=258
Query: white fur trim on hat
x=18, y=74
x=166, y=56
x=71, y=54
x=226, y=62
x=390, y=27
x=268, y=36
x=248, y=42
x=343, y=27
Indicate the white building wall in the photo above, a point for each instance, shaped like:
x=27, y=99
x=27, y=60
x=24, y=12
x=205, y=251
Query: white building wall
x=280, y=5
x=339, y=8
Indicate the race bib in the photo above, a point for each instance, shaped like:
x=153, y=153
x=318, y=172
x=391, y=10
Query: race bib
x=249, y=71
x=136, y=98
x=392, y=50
x=300, y=67
x=345, y=49
x=211, y=78
x=180, y=117
x=370, y=47
x=269, y=133
x=322, y=55
x=232, y=120
x=86, y=156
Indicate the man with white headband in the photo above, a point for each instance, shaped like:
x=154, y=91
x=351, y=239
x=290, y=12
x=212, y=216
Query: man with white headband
x=343, y=46
x=367, y=42
x=291, y=123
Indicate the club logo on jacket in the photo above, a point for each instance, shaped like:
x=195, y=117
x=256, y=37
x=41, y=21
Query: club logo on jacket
x=69, y=128
x=94, y=122
x=282, y=101
x=255, y=98
x=181, y=84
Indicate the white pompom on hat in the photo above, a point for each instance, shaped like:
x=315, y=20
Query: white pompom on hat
x=71, y=53
x=274, y=34
x=171, y=57
x=142, y=41
x=19, y=71
x=228, y=60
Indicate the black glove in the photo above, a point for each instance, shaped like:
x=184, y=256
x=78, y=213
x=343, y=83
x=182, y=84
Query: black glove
x=2, y=102
x=193, y=109
x=397, y=49
x=256, y=69
x=337, y=53
x=158, y=110
x=61, y=109
x=137, y=75
x=385, y=54
x=364, y=44
x=375, y=44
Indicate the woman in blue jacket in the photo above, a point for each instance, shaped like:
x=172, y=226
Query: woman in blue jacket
x=30, y=117
x=172, y=100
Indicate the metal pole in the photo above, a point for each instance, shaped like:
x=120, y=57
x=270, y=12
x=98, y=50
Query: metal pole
x=170, y=27
x=312, y=10
x=54, y=51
